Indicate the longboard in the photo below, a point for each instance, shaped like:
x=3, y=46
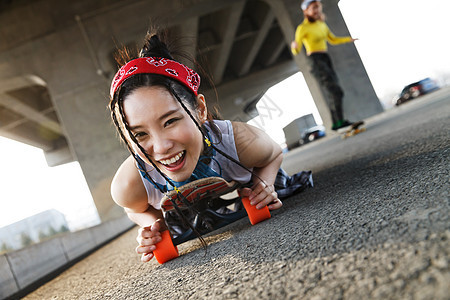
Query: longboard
x=352, y=130
x=201, y=201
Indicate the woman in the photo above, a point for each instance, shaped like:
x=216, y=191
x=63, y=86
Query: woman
x=172, y=139
x=314, y=33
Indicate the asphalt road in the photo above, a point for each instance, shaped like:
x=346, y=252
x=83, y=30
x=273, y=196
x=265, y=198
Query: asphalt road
x=375, y=226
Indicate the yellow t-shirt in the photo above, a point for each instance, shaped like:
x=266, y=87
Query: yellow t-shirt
x=315, y=36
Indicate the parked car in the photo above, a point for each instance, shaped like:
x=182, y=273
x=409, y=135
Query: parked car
x=416, y=89
x=312, y=134
x=302, y=131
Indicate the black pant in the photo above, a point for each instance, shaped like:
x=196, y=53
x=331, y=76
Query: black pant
x=322, y=69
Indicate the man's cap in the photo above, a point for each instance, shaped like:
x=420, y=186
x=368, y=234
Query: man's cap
x=306, y=3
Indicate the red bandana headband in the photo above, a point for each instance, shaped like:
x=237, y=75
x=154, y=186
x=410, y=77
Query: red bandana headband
x=156, y=65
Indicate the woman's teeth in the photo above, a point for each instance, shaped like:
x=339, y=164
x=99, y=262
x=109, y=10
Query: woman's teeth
x=173, y=159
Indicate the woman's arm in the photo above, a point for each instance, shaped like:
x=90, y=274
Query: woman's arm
x=296, y=44
x=337, y=40
x=257, y=150
x=128, y=191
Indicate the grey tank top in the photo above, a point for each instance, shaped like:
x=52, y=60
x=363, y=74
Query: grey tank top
x=229, y=170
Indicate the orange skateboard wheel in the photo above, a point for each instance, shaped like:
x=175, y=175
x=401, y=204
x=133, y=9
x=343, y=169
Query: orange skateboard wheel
x=255, y=215
x=165, y=250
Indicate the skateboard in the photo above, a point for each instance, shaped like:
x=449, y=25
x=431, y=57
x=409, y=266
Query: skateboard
x=204, y=206
x=352, y=130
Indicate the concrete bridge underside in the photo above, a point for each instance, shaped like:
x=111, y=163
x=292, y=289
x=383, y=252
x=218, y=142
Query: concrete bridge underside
x=56, y=64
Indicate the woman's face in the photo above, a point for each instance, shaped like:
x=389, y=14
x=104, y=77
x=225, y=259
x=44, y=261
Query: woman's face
x=164, y=129
x=314, y=11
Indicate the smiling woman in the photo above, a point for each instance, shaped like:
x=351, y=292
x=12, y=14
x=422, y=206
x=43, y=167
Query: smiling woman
x=156, y=122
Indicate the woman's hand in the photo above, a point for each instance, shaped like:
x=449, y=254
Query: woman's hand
x=261, y=195
x=294, y=45
x=147, y=238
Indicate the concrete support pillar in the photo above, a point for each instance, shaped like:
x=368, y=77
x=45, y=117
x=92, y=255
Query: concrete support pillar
x=360, y=100
x=80, y=97
x=84, y=113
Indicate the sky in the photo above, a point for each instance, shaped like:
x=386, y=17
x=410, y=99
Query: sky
x=28, y=186
x=400, y=41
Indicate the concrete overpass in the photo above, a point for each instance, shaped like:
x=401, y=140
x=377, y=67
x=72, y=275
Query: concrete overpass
x=56, y=63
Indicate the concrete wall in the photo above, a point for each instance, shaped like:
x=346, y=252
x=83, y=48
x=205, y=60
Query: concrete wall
x=22, y=268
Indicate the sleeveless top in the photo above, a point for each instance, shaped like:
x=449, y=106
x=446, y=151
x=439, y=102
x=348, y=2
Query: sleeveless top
x=219, y=164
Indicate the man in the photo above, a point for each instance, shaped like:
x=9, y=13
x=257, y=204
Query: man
x=314, y=33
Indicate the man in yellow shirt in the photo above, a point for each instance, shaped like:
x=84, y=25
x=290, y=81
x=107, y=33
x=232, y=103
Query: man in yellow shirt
x=314, y=33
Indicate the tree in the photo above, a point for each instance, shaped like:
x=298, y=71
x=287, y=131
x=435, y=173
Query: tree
x=42, y=235
x=63, y=229
x=5, y=248
x=25, y=239
x=52, y=231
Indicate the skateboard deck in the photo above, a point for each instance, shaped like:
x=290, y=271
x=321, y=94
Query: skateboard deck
x=203, y=206
x=202, y=189
x=352, y=130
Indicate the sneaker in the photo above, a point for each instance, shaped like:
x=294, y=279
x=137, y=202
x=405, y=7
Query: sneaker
x=341, y=124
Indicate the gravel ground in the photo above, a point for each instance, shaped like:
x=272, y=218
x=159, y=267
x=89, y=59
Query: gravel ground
x=375, y=226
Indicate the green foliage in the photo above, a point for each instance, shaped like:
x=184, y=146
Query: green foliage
x=63, y=229
x=42, y=235
x=5, y=248
x=52, y=231
x=25, y=239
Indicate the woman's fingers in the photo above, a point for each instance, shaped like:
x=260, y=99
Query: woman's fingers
x=149, y=241
x=146, y=235
x=262, y=195
x=257, y=189
x=156, y=226
x=146, y=257
x=275, y=204
x=147, y=238
x=145, y=249
x=245, y=192
x=266, y=200
x=294, y=45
